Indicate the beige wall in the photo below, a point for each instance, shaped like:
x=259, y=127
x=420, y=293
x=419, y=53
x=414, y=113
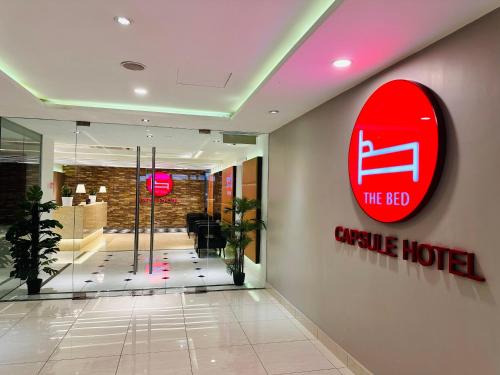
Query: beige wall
x=396, y=317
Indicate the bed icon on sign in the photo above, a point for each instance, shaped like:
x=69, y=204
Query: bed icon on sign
x=413, y=167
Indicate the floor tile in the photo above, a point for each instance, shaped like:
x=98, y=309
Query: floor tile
x=96, y=345
x=158, y=301
x=38, y=326
x=328, y=354
x=296, y=356
x=216, y=335
x=205, y=299
x=17, y=307
x=244, y=297
x=239, y=360
x=93, y=366
x=21, y=369
x=26, y=348
x=175, y=363
x=144, y=339
x=267, y=331
x=260, y=311
x=58, y=308
x=210, y=314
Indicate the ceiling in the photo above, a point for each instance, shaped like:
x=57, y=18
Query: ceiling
x=221, y=64
x=115, y=145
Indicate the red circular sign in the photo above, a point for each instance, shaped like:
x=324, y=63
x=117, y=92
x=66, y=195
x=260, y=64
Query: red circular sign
x=163, y=184
x=396, y=151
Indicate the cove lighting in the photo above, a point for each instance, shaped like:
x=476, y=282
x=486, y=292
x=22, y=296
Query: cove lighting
x=342, y=63
x=140, y=91
x=124, y=21
x=310, y=19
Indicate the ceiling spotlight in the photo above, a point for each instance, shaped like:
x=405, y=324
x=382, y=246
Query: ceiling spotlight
x=124, y=21
x=145, y=120
x=77, y=132
x=342, y=63
x=274, y=111
x=149, y=135
x=140, y=91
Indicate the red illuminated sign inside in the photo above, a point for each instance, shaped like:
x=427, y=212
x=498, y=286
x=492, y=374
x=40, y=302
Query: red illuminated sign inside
x=163, y=184
x=396, y=151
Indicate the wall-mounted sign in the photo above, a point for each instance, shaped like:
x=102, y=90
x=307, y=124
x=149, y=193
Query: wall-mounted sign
x=396, y=151
x=163, y=184
x=455, y=261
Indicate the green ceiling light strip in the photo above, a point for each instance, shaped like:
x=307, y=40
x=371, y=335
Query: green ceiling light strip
x=138, y=108
x=312, y=18
x=16, y=78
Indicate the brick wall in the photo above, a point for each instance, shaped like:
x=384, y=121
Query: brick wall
x=170, y=211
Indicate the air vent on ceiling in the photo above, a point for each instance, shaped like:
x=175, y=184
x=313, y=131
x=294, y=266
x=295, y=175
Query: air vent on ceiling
x=132, y=65
x=204, y=131
x=239, y=139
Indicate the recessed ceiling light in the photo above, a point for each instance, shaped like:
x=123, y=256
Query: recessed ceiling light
x=140, y=91
x=274, y=111
x=145, y=120
x=149, y=135
x=124, y=21
x=342, y=63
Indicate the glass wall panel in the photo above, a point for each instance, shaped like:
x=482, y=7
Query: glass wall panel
x=20, y=157
x=189, y=186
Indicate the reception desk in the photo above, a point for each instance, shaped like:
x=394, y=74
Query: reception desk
x=82, y=225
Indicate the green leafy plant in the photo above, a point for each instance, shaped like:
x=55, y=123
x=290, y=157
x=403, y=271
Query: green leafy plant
x=66, y=191
x=32, y=240
x=237, y=233
x=92, y=191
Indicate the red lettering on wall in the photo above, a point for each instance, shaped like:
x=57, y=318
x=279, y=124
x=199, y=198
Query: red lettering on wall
x=460, y=263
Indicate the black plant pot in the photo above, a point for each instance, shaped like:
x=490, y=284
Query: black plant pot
x=239, y=278
x=34, y=286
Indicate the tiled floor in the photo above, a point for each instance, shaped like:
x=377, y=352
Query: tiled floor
x=112, y=270
x=231, y=332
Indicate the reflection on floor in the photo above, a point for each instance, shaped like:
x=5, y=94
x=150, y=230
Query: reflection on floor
x=105, y=270
x=167, y=241
x=232, y=332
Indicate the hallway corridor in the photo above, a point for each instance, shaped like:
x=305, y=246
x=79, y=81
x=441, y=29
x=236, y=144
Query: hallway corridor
x=245, y=332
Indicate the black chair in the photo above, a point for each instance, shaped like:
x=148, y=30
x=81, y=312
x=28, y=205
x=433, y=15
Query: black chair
x=198, y=224
x=191, y=217
x=210, y=237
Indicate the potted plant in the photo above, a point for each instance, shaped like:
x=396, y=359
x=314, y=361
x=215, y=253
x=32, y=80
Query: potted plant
x=66, y=196
x=92, y=195
x=32, y=241
x=237, y=235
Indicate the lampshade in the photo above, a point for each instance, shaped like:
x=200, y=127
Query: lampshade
x=80, y=188
x=102, y=189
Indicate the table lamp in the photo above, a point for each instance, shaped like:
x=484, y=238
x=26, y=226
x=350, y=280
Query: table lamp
x=102, y=189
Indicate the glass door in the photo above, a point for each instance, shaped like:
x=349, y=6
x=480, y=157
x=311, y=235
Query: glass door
x=141, y=205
